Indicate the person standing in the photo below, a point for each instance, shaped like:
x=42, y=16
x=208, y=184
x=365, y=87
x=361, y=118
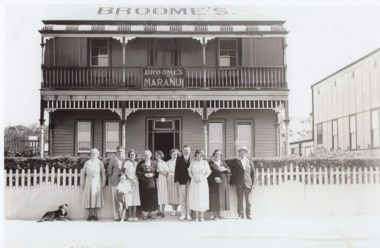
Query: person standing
x=92, y=182
x=182, y=179
x=124, y=194
x=146, y=172
x=243, y=177
x=199, y=170
x=113, y=170
x=173, y=195
x=130, y=170
x=162, y=182
x=218, y=185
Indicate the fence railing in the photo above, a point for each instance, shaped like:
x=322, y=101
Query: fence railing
x=264, y=177
x=131, y=77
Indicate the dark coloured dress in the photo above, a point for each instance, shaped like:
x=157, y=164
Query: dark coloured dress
x=219, y=192
x=147, y=186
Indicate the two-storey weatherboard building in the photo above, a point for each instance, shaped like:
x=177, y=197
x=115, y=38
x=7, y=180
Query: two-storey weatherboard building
x=160, y=77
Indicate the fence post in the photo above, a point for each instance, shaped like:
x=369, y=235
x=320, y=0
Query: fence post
x=376, y=175
x=5, y=178
x=354, y=175
x=279, y=175
x=34, y=178
x=41, y=175
x=29, y=178
x=320, y=175
x=267, y=176
x=349, y=175
x=23, y=178
x=47, y=175
x=17, y=179
x=76, y=178
x=52, y=176
x=360, y=175
x=303, y=175
x=308, y=175
x=64, y=178
x=262, y=176
x=291, y=172
x=10, y=178
x=58, y=177
x=365, y=175
x=285, y=174
x=370, y=179
x=274, y=176
x=297, y=174
x=70, y=178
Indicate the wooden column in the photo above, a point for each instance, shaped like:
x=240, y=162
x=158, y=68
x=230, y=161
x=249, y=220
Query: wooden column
x=124, y=45
x=42, y=59
x=42, y=121
x=123, y=124
x=204, y=61
x=205, y=137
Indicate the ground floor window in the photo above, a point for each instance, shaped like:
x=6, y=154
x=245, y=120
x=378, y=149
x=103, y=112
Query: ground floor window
x=215, y=136
x=375, y=128
x=353, y=132
x=244, y=135
x=112, y=136
x=319, y=134
x=335, y=134
x=84, y=136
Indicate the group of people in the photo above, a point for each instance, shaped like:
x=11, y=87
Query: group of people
x=193, y=184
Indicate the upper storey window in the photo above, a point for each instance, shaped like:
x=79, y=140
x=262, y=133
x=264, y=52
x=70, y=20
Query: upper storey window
x=99, y=52
x=228, y=52
x=164, y=52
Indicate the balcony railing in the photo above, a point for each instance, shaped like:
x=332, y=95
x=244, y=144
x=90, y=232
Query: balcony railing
x=132, y=77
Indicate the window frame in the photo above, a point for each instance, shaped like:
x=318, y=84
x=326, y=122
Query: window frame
x=105, y=135
x=108, y=52
x=236, y=51
x=319, y=134
x=350, y=133
x=76, y=140
x=378, y=128
x=223, y=122
x=155, y=46
x=251, y=122
x=335, y=146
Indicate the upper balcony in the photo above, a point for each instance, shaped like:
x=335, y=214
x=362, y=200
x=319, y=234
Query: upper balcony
x=141, y=78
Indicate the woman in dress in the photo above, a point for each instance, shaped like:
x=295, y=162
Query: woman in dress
x=130, y=170
x=173, y=194
x=218, y=185
x=199, y=170
x=146, y=173
x=162, y=182
x=93, y=180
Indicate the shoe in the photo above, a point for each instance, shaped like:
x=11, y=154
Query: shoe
x=196, y=220
x=89, y=218
x=188, y=217
x=151, y=217
x=159, y=213
x=130, y=219
x=163, y=215
x=117, y=219
x=249, y=217
x=122, y=220
x=202, y=220
x=220, y=217
x=240, y=217
x=145, y=217
x=216, y=218
x=95, y=218
x=174, y=213
x=182, y=217
x=135, y=219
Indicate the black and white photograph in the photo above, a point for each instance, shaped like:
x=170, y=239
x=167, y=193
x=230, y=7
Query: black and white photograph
x=190, y=124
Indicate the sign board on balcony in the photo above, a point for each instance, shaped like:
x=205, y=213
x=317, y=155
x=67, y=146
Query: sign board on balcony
x=162, y=78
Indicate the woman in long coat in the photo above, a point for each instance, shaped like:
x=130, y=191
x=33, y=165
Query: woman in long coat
x=93, y=180
x=218, y=185
x=146, y=172
x=173, y=194
x=130, y=167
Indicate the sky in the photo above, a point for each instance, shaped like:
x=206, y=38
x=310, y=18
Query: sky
x=323, y=37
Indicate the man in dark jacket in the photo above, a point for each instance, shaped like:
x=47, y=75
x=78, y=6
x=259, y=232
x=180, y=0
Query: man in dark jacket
x=243, y=178
x=182, y=179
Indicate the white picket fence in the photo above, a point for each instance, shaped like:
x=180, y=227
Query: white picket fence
x=288, y=191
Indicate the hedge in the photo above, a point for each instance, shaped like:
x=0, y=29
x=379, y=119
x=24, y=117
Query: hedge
x=69, y=162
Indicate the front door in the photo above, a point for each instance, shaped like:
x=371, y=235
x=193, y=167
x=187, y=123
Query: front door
x=164, y=135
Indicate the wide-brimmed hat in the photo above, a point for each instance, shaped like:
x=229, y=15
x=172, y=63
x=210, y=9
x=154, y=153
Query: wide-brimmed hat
x=243, y=148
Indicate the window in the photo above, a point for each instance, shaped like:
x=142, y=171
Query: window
x=228, y=52
x=319, y=134
x=335, y=134
x=164, y=52
x=216, y=136
x=99, y=52
x=244, y=135
x=353, y=132
x=112, y=136
x=375, y=128
x=84, y=136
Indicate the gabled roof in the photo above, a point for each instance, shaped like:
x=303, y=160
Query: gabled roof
x=305, y=138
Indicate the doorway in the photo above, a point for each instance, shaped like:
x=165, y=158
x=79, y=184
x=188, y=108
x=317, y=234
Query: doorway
x=163, y=134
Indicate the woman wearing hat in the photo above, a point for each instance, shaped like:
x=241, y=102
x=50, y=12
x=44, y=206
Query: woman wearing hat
x=243, y=176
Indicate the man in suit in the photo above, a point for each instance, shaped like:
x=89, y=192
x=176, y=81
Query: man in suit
x=182, y=179
x=115, y=167
x=243, y=178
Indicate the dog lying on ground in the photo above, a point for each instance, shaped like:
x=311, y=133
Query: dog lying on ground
x=60, y=214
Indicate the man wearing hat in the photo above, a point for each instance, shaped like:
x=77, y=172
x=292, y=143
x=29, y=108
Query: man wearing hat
x=242, y=176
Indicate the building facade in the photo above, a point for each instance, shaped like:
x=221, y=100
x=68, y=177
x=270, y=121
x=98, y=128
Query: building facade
x=162, y=77
x=346, y=107
x=302, y=146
